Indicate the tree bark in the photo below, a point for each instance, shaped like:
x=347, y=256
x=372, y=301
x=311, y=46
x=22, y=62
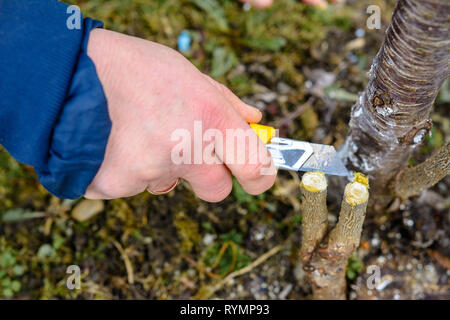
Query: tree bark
x=314, y=212
x=327, y=266
x=391, y=116
x=324, y=258
x=413, y=180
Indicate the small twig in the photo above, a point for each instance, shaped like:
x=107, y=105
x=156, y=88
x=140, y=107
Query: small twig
x=254, y=264
x=286, y=120
x=441, y=260
x=219, y=285
x=126, y=260
x=222, y=252
x=200, y=268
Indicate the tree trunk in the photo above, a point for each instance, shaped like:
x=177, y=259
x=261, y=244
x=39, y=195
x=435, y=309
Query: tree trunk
x=391, y=116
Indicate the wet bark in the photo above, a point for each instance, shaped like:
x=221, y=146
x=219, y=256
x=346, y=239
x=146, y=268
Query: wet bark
x=391, y=116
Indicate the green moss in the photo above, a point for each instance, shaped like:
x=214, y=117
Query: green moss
x=354, y=267
x=188, y=231
x=11, y=271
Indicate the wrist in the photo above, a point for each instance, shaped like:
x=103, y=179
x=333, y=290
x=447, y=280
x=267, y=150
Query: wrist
x=99, y=50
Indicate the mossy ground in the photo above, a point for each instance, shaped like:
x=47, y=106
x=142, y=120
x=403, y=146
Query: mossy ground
x=179, y=246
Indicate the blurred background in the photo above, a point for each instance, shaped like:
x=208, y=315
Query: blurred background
x=303, y=68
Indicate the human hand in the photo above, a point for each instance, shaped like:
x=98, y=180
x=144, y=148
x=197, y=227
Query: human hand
x=260, y=4
x=152, y=91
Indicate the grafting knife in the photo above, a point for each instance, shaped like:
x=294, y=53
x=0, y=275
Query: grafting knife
x=297, y=155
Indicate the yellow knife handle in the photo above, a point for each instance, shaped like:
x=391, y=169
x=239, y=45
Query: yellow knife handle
x=265, y=133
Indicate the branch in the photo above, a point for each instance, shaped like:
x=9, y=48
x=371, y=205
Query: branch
x=413, y=180
x=346, y=235
x=327, y=265
x=314, y=212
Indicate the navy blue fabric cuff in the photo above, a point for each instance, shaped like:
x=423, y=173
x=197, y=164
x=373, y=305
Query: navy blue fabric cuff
x=53, y=112
x=81, y=132
x=38, y=55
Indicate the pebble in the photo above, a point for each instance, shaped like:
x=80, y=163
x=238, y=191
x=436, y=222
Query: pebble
x=431, y=274
x=375, y=242
x=381, y=259
x=191, y=273
x=408, y=222
x=259, y=236
x=308, y=84
x=283, y=88
x=266, y=96
x=258, y=233
x=86, y=209
x=208, y=239
x=353, y=58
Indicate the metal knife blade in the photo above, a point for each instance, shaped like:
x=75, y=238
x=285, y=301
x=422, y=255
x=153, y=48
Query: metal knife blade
x=326, y=159
x=296, y=155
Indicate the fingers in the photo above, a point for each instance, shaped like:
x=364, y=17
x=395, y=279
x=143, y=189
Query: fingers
x=210, y=182
x=322, y=4
x=248, y=113
x=259, y=3
x=112, y=186
x=241, y=151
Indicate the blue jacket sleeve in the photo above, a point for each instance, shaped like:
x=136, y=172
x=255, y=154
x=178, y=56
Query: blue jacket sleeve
x=53, y=111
